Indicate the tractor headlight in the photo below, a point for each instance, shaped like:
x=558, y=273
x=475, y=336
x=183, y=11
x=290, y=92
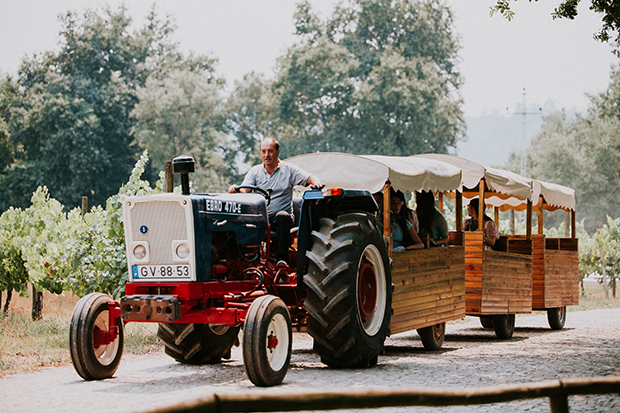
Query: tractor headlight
x=182, y=251
x=140, y=252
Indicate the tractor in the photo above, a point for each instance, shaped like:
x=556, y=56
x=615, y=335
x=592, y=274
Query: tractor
x=202, y=266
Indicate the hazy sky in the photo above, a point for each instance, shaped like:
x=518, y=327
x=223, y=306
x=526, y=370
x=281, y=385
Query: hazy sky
x=554, y=61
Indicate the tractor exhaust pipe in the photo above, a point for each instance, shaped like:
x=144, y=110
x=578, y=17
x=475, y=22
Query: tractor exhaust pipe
x=183, y=165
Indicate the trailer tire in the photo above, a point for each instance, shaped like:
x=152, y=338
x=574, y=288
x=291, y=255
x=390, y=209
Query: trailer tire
x=433, y=336
x=504, y=326
x=198, y=343
x=267, y=341
x=349, y=295
x=91, y=313
x=556, y=318
x=486, y=321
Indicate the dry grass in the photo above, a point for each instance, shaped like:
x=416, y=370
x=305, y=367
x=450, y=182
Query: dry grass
x=27, y=346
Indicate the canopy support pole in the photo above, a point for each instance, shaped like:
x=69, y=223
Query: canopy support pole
x=540, y=214
x=458, y=206
x=528, y=221
x=481, y=206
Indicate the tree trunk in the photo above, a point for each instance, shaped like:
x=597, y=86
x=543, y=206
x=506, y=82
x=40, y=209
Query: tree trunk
x=613, y=287
x=37, y=304
x=9, y=295
x=604, y=273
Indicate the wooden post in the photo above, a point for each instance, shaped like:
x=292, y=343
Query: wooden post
x=168, y=178
x=496, y=216
x=573, y=224
x=528, y=221
x=559, y=404
x=37, y=304
x=459, y=211
x=481, y=204
x=440, y=202
x=84, y=206
x=540, y=214
x=387, y=228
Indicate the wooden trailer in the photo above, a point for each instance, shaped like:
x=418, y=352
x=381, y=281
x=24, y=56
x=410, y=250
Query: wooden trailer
x=498, y=282
x=429, y=284
x=555, y=267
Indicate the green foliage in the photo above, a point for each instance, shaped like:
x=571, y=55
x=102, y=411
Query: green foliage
x=59, y=251
x=65, y=122
x=567, y=9
x=584, y=154
x=180, y=114
x=602, y=249
x=375, y=77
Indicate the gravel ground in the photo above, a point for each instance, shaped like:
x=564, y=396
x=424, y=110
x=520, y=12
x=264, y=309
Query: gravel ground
x=589, y=346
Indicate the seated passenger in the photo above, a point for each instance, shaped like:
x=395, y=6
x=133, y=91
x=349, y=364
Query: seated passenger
x=491, y=234
x=433, y=225
x=404, y=236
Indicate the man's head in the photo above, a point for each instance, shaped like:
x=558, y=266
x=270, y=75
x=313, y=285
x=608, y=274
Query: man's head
x=269, y=152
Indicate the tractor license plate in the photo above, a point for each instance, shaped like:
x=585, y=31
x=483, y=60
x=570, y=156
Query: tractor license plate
x=162, y=272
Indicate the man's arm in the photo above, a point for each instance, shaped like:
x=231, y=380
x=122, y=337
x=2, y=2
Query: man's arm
x=314, y=182
x=233, y=189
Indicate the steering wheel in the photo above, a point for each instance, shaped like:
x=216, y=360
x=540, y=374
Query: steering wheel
x=266, y=194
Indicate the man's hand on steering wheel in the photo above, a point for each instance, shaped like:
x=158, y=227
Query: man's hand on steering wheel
x=266, y=194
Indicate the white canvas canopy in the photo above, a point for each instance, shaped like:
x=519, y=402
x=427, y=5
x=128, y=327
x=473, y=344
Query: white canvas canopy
x=498, y=180
x=371, y=172
x=510, y=183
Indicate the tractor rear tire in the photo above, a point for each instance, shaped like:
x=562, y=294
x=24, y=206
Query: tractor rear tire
x=91, y=317
x=504, y=326
x=556, y=318
x=198, y=343
x=433, y=336
x=349, y=296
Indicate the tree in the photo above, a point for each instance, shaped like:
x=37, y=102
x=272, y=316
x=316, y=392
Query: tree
x=376, y=77
x=568, y=9
x=584, y=154
x=250, y=115
x=179, y=114
x=69, y=123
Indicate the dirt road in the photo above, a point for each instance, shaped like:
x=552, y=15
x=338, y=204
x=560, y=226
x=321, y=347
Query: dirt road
x=471, y=357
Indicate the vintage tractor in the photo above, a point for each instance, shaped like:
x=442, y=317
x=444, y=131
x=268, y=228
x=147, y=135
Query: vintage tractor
x=202, y=267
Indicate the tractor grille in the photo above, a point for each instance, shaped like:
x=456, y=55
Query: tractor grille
x=163, y=222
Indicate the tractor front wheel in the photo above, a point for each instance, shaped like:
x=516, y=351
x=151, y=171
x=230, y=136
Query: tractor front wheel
x=267, y=341
x=94, y=356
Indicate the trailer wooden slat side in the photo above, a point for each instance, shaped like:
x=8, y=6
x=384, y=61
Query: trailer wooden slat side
x=556, y=273
x=429, y=287
x=497, y=282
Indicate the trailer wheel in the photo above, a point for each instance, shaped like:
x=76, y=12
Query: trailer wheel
x=198, y=343
x=89, y=321
x=433, y=336
x=556, y=317
x=486, y=321
x=504, y=325
x=267, y=341
x=349, y=295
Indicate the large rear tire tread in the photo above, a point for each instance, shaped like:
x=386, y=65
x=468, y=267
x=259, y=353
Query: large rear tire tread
x=267, y=341
x=197, y=343
x=345, y=333
x=556, y=318
x=433, y=336
x=94, y=363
